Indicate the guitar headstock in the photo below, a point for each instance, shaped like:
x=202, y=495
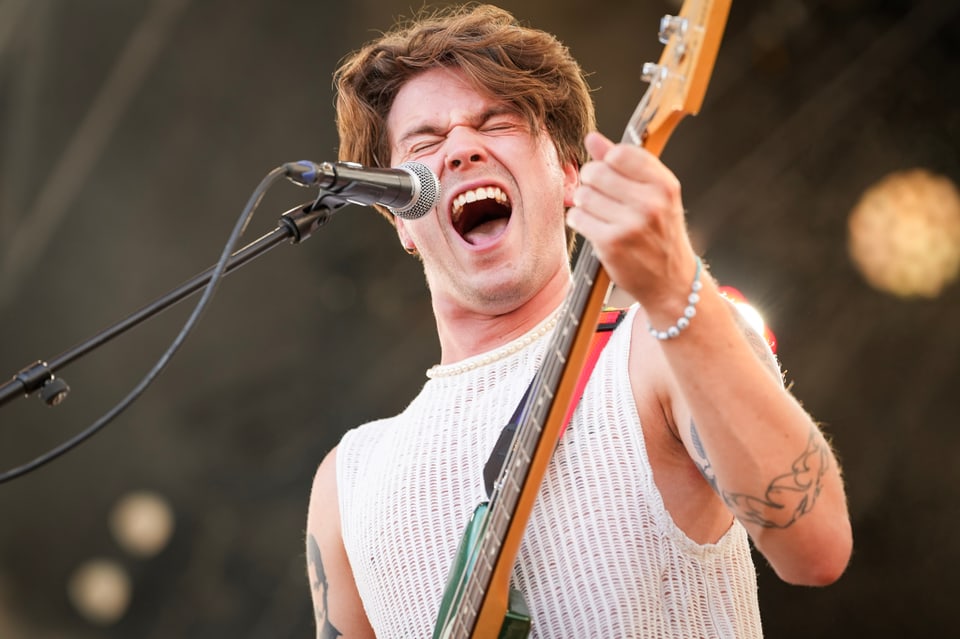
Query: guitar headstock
x=678, y=81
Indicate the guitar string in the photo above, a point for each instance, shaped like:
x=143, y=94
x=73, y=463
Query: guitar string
x=505, y=497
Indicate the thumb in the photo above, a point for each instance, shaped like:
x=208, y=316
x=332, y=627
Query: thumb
x=597, y=145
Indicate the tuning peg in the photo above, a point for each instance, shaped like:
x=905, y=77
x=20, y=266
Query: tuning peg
x=671, y=26
x=653, y=72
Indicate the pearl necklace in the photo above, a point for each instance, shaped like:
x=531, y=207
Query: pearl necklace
x=517, y=345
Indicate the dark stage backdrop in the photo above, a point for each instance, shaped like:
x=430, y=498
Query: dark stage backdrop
x=133, y=133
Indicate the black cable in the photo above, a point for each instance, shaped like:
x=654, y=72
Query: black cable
x=188, y=326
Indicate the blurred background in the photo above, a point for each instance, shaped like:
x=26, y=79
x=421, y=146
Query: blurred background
x=820, y=182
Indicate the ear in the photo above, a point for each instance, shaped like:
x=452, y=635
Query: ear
x=405, y=240
x=571, y=180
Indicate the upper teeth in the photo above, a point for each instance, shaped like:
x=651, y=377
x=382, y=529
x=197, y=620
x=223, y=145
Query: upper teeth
x=475, y=195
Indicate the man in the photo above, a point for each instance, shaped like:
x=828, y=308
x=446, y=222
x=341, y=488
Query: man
x=684, y=443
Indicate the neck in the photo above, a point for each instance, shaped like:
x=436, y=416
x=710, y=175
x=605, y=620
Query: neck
x=465, y=332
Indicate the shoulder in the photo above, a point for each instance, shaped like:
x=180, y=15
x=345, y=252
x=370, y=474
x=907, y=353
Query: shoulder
x=323, y=516
x=356, y=443
x=650, y=375
x=323, y=492
x=689, y=499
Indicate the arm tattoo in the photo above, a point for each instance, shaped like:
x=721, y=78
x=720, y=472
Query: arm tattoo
x=787, y=498
x=318, y=585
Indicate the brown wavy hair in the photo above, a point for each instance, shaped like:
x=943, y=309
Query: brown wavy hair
x=528, y=68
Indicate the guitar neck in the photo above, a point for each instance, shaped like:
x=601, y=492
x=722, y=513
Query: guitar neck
x=537, y=435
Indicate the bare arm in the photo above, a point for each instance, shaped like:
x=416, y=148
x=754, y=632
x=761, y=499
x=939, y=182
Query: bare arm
x=760, y=451
x=753, y=442
x=336, y=602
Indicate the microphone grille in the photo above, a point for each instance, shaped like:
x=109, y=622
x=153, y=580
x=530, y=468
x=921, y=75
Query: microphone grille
x=425, y=194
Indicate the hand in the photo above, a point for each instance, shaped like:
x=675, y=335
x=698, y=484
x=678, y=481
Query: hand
x=628, y=206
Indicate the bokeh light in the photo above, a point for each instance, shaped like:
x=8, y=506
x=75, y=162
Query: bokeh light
x=904, y=234
x=100, y=590
x=142, y=522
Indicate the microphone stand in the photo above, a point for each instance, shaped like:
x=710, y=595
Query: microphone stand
x=297, y=224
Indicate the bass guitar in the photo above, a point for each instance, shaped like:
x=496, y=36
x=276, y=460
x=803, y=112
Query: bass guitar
x=478, y=601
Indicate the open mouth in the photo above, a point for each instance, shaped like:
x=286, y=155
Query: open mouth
x=481, y=213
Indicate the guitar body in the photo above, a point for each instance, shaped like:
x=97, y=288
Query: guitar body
x=516, y=620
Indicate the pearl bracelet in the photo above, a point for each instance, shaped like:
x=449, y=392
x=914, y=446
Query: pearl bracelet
x=688, y=312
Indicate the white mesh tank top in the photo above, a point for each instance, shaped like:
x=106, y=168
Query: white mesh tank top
x=601, y=557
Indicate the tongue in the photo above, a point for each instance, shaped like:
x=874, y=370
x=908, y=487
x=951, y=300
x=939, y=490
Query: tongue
x=487, y=231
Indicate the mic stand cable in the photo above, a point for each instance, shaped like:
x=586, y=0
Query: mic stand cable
x=297, y=223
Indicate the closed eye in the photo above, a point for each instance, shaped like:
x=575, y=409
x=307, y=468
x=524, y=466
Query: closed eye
x=502, y=124
x=424, y=145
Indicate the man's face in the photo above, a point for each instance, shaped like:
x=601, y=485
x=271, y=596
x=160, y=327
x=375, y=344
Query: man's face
x=496, y=236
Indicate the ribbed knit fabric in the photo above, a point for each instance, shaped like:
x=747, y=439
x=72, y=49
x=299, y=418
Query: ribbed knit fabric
x=601, y=557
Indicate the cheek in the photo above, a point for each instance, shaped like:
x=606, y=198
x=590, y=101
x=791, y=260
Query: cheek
x=561, y=186
x=571, y=181
x=405, y=239
x=558, y=175
x=422, y=234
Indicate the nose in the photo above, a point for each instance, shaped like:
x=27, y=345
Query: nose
x=465, y=148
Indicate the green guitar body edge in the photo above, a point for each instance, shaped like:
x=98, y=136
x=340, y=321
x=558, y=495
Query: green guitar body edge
x=516, y=623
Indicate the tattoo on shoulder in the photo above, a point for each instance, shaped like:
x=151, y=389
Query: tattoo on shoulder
x=318, y=585
x=787, y=498
x=703, y=464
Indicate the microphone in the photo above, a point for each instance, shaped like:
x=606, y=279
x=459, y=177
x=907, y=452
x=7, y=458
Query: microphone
x=408, y=191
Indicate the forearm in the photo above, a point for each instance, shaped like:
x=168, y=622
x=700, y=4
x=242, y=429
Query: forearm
x=759, y=449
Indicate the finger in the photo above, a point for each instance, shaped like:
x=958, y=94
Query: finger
x=598, y=213
x=602, y=186
x=635, y=163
